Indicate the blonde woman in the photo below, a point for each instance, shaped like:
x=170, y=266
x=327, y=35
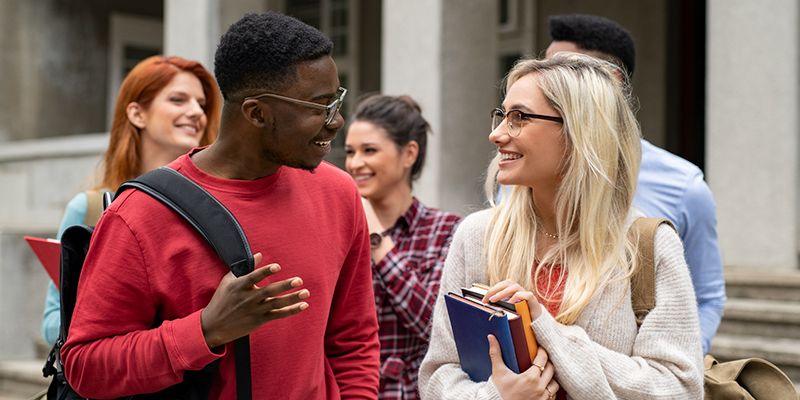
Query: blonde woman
x=568, y=144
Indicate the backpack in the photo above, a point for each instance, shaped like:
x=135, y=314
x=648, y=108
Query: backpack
x=206, y=215
x=747, y=379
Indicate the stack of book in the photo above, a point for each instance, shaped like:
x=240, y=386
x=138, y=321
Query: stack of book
x=472, y=320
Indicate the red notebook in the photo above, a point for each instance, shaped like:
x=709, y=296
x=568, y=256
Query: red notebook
x=49, y=253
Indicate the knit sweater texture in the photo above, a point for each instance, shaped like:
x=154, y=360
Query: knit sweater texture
x=603, y=355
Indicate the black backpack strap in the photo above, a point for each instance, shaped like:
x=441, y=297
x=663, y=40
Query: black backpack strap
x=241, y=355
x=218, y=226
x=202, y=210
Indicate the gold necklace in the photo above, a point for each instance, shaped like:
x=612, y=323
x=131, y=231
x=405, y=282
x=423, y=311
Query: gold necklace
x=548, y=234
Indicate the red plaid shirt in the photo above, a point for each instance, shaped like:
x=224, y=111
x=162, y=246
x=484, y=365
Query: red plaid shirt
x=406, y=284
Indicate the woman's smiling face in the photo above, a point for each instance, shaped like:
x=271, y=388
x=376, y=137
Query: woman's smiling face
x=374, y=160
x=536, y=156
x=176, y=118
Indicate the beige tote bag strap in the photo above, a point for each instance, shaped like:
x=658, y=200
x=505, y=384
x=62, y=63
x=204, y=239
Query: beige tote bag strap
x=94, y=207
x=643, y=280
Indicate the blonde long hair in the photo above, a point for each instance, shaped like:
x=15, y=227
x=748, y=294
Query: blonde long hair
x=595, y=194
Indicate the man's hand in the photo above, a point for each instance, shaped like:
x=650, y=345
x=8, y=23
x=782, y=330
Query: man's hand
x=239, y=306
x=535, y=383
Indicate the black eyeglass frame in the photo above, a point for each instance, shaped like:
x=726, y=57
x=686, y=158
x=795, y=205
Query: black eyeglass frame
x=330, y=110
x=498, y=116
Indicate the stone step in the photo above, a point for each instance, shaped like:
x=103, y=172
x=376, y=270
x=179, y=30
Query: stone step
x=781, y=285
x=768, y=318
x=783, y=352
x=21, y=379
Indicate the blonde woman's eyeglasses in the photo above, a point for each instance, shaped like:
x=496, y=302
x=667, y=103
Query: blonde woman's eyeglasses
x=516, y=118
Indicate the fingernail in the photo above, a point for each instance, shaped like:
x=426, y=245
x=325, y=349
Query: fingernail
x=274, y=268
x=303, y=306
x=297, y=282
x=303, y=294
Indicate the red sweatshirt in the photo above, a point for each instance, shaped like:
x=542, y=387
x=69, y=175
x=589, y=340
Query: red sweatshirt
x=146, y=265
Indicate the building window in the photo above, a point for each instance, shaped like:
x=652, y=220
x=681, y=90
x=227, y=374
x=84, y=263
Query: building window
x=506, y=61
x=339, y=27
x=133, y=54
x=508, y=15
x=336, y=19
x=132, y=39
x=307, y=11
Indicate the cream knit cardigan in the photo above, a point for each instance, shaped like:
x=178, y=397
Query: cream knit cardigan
x=601, y=356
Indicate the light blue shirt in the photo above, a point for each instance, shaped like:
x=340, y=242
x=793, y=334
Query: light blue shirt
x=51, y=320
x=673, y=188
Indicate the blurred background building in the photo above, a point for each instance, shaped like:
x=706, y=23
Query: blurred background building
x=717, y=80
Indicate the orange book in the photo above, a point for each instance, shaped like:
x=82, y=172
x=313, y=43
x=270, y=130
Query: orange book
x=525, y=314
x=48, y=251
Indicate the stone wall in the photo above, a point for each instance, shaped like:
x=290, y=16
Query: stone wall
x=39, y=177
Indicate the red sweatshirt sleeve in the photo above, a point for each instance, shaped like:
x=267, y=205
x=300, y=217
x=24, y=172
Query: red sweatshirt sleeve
x=112, y=349
x=351, y=338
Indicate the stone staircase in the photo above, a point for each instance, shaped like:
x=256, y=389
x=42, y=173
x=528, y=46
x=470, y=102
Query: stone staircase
x=762, y=319
x=20, y=380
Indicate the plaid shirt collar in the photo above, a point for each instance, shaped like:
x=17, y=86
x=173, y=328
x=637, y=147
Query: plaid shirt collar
x=409, y=220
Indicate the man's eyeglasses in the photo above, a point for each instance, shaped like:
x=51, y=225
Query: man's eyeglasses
x=514, y=119
x=330, y=110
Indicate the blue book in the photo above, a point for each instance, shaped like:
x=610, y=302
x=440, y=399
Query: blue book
x=472, y=321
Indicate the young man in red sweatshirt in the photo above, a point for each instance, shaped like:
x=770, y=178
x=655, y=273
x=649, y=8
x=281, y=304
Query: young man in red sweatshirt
x=155, y=301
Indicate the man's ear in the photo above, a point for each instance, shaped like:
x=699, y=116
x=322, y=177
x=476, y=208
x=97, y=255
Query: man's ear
x=619, y=73
x=410, y=153
x=256, y=112
x=136, y=114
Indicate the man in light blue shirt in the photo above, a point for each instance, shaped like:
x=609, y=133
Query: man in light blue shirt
x=668, y=186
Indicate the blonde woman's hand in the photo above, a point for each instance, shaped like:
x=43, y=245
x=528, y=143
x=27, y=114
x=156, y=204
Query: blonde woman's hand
x=513, y=293
x=535, y=383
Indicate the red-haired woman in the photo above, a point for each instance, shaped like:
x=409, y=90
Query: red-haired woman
x=165, y=107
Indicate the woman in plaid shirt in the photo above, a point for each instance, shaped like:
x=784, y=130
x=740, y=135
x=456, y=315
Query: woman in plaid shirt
x=385, y=151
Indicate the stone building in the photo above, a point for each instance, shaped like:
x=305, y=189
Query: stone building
x=717, y=82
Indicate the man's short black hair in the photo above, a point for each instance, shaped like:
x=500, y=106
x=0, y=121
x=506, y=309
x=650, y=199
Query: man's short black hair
x=591, y=32
x=260, y=51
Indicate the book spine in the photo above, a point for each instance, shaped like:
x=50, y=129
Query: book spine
x=524, y=361
x=525, y=316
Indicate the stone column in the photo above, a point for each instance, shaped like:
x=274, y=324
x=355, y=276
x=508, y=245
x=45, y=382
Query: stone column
x=446, y=60
x=191, y=29
x=752, y=148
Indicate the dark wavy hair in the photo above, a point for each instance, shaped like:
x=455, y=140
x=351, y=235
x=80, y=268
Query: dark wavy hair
x=401, y=117
x=591, y=32
x=261, y=51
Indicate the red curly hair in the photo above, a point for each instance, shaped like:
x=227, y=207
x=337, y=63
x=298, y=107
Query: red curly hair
x=122, y=159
